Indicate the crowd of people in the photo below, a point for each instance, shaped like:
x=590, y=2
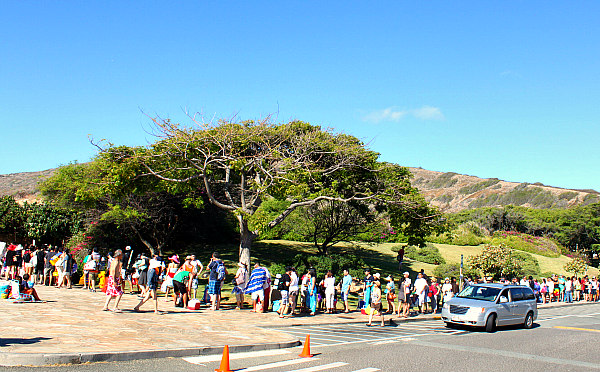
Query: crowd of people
x=289, y=294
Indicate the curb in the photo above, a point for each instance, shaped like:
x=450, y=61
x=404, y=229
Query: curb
x=355, y=321
x=40, y=359
x=564, y=304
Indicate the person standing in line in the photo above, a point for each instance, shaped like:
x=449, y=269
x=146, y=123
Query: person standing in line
x=255, y=287
x=48, y=267
x=241, y=278
x=267, y=288
x=390, y=294
x=304, y=293
x=114, y=286
x=420, y=289
x=329, y=283
x=215, y=280
x=447, y=292
x=172, y=269
x=294, y=289
x=198, y=268
x=568, y=290
x=39, y=266
x=312, y=291
x=376, y=303
x=92, y=267
x=61, y=267
x=284, y=288
x=433, y=291
x=406, y=288
x=345, y=288
x=594, y=288
x=367, y=286
x=155, y=267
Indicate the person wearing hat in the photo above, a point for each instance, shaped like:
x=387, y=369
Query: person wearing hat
x=405, y=288
x=390, y=294
x=172, y=269
x=367, y=286
x=447, y=290
x=240, y=280
x=155, y=267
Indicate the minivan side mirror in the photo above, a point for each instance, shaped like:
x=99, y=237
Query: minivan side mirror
x=503, y=299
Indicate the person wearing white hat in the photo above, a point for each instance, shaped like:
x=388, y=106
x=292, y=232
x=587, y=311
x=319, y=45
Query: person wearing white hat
x=405, y=288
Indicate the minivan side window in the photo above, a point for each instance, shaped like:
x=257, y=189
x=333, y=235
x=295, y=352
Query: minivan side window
x=528, y=294
x=505, y=294
x=516, y=294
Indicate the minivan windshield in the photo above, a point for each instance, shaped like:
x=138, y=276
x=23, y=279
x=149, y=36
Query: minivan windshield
x=477, y=292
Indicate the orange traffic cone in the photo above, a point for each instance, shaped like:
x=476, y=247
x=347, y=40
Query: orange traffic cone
x=306, y=351
x=224, y=361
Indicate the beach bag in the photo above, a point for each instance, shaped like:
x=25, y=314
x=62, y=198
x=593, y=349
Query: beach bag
x=276, y=305
x=90, y=265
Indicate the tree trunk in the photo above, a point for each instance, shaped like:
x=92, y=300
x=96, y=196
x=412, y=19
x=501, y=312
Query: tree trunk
x=246, y=238
x=145, y=242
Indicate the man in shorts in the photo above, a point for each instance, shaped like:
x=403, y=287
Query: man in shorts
x=182, y=282
x=346, y=283
x=215, y=280
x=155, y=267
x=255, y=287
x=284, y=289
x=421, y=291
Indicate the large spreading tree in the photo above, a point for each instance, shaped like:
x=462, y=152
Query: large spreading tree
x=239, y=165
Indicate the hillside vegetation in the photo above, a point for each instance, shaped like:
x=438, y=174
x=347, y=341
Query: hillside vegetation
x=453, y=192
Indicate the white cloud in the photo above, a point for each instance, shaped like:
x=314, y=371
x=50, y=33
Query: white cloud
x=393, y=114
x=428, y=113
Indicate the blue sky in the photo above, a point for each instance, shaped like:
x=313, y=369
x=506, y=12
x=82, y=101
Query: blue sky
x=492, y=89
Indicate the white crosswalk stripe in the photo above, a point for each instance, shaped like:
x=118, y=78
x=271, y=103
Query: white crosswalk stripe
x=234, y=356
x=338, y=334
x=283, y=363
x=321, y=368
x=367, y=370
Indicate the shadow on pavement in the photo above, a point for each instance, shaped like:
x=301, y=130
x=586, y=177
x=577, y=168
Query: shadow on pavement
x=22, y=341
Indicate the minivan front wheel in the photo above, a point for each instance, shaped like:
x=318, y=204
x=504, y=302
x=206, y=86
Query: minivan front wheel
x=490, y=324
x=528, y=324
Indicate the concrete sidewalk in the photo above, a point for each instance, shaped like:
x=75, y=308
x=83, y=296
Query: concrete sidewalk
x=71, y=328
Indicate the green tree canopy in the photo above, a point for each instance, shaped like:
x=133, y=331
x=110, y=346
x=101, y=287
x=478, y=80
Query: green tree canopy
x=240, y=164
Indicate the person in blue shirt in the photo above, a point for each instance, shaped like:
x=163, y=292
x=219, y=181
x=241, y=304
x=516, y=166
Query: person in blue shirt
x=346, y=283
x=368, y=286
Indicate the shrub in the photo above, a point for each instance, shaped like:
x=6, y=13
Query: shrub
x=444, y=180
x=525, y=242
x=531, y=266
x=452, y=270
x=429, y=254
x=478, y=186
x=497, y=261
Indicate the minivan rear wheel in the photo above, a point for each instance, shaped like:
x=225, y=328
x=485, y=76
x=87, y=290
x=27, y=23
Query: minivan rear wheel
x=528, y=324
x=490, y=324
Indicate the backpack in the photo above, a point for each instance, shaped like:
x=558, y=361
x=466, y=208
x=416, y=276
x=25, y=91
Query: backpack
x=221, y=271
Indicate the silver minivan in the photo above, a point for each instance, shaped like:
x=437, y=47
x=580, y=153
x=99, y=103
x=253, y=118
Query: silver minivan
x=491, y=305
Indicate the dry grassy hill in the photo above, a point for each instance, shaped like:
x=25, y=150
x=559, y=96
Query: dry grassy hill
x=23, y=186
x=454, y=192
x=451, y=192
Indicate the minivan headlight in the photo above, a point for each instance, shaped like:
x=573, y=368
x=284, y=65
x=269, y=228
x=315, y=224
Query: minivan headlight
x=477, y=310
x=446, y=305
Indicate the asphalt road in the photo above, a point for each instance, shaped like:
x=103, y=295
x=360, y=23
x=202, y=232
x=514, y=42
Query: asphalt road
x=563, y=339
